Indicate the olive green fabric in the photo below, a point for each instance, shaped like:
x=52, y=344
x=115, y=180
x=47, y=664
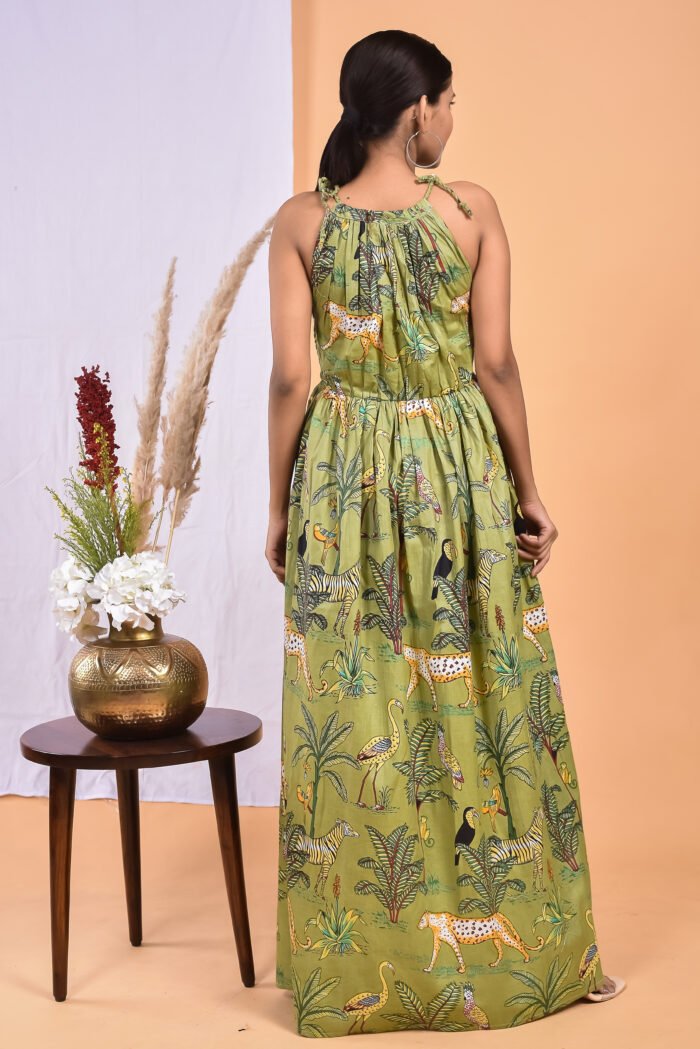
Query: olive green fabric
x=428, y=791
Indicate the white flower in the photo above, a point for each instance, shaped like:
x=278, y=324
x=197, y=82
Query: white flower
x=68, y=584
x=129, y=589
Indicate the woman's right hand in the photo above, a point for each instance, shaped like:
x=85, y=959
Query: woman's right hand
x=535, y=543
x=276, y=545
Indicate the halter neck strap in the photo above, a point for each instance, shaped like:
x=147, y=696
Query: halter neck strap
x=328, y=190
x=435, y=179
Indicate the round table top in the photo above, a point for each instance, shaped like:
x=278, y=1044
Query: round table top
x=66, y=743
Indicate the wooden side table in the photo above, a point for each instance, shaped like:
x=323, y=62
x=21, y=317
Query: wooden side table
x=66, y=745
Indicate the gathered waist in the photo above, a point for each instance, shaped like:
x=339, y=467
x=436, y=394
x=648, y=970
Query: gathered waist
x=331, y=386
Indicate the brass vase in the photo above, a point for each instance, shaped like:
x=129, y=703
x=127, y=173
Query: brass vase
x=138, y=683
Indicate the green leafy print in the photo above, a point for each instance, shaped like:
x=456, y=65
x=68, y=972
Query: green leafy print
x=354, y=678
x=563, y=825
x=431, y=1017
x=398, y=875
x=307, y=1000
x=387, y=595
x=489, y=879
x=423, y=265
x=542, y=996
x=292, y=857
x=503, y=748
x=368, y=276
x=321, y=752
x=336, y=927
x=423, y=775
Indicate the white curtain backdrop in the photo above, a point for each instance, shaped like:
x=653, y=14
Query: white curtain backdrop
x=133, y=131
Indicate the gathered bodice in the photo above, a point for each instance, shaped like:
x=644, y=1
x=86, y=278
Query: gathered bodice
x=391, y=295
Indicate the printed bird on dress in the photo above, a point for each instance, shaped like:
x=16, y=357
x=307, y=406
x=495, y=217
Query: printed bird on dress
x=302, y=541
x=426, y=491
x=377, y=751
x=493, y=806
x=367, y=1002
x=465, y=834
x=591, y=956
x=444, y=564
x=328, y=538
x=305, y=796
x=448, y=760
x=471, y=1009
x=371, y=478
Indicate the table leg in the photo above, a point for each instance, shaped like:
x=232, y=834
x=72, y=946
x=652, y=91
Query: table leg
x=61, y=806
x=128, y=795
x=223, y=782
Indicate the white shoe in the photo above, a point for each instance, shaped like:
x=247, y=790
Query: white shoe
x=603, y=996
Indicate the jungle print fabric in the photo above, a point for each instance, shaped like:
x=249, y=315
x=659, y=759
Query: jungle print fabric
x=432, y=863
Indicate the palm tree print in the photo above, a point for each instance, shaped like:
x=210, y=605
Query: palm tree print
x=503, y=749
x=548, y=731
x=321, y=750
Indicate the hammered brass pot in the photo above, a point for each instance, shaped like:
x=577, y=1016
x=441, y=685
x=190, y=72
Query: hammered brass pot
x=138, y=684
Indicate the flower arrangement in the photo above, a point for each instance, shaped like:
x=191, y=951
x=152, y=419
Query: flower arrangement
x=113, y=563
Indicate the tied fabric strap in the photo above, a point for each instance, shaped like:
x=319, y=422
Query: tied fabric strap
x=327, y=190
x=433, y=179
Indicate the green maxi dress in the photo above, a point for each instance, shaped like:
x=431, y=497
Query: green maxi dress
x=432, y=864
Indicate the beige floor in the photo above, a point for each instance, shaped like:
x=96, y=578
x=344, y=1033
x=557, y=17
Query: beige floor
x=182, y=986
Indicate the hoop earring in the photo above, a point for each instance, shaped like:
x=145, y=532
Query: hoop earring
x=410, y=159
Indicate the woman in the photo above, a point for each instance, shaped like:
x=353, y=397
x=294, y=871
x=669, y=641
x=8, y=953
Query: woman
x=432, y=863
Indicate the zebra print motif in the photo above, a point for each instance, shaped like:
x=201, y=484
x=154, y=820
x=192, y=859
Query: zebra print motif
x=340, y=586
x=524, y=849
x=323, y=850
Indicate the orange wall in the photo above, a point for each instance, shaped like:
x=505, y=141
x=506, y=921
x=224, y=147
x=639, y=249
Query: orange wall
x=580, y=121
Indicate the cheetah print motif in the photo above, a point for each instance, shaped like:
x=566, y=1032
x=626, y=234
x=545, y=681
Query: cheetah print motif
x=295, y=645
x=454, y=929
x=362, y=326
x=339, y=403
x=460, y=303
x=423, y=406
x=445, y=667
x=534, y=622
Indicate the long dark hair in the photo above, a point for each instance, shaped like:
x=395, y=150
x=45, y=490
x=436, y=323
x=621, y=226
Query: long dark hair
x=381, y=75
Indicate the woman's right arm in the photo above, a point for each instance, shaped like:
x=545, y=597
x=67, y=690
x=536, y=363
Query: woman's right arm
x=499, y=378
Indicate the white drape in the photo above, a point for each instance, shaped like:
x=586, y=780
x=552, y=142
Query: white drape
x=131, y=132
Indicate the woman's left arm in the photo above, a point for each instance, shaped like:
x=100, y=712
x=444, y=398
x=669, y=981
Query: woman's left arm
x=290, y=377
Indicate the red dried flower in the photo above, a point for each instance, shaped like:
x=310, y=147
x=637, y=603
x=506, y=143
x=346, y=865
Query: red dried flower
x=97, y=422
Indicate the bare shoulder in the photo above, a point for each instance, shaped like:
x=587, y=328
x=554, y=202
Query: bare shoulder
x=296, y=228
x=480, y=200
x=299, y=210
